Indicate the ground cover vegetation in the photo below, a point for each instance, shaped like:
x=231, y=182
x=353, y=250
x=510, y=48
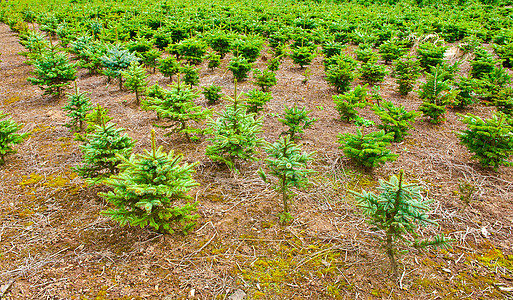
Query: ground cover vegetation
x=344, y=80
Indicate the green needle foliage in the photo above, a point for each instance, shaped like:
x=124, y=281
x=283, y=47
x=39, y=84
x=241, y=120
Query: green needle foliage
x=373, y=73
x=303, y=56
x=78, y=106
x=347, y=103
x=287, y=164
x=436, y=94
x=100, y=152
x=115, y=60
x=235, y=134
x=214, y=60
x=169, y=66
x=135, y=79
x=395, y=119
x=431, y=54
x=340, y=72
x=504, y=101
x=397, y=210
x=469, y=90
x=364, y=53
x=297, y=120
x=8, y=136
x=177, y=107
x=53, y=72
x=193, y=50
x=406, y=71
x=212, y=93
x=392, y=50
x=369, y=150
x=264, y=79
x=240, y=67
x=255, y=100
x=491, y=140
x=190, y=75
x=219, y=41
x=151, y=189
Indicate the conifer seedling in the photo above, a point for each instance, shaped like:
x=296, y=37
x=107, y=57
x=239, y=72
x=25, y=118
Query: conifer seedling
x=491, y=140
x=368, y=150
x=53, y=72
x=395, y=119
x=287, y=164
x=177, y=107
x=169, y=66
x=9, y=136
x=100, y=152
x=235, y=134
x=297, y=120
x=79, y=105
x=255, y=100
x=135, y=79
x=397, y=211
x=152, y=189
x=347, y=103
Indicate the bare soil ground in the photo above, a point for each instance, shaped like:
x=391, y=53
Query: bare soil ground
x=54, y=244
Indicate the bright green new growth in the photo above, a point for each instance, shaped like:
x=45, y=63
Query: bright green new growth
x=491, y=139
x=255, y=100
x=214, y=60
x=297, y=120
x=369, y=150
x=151, y=189
x=8, y=136
x=78, y=106
x=397, y=210
x=392, y=50
x=436, y=93
x=235, y=134
x=287, y=164
x=264, y=79
x=177, y=107
x=135, y=79
x=53, y=72
x=100, y=152
x=168, y=66
x=395, y=119
x=347, y=103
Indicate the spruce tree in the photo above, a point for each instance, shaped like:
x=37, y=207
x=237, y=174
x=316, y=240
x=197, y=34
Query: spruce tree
x=491, y=140
x=152, y=189
x=373, y=73
x=287, y=164
x=169, y=66
x=406, y=72
x=397, y=210
x=177, y=107
x=78, y=106
x=115, y=60
x=9, y=136
x=53, y=72
x=395, y=119
x=240, y=67
x=100, y=152
x=235, y=134
x=265, y=79
x=436, y=94
x=297, y=120
x=135, y=79
x=212, y=93
x=255, y=100
x=347, y=103
x=369, y=150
